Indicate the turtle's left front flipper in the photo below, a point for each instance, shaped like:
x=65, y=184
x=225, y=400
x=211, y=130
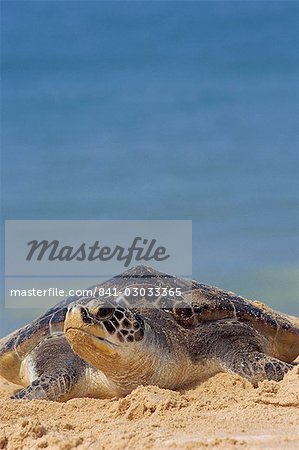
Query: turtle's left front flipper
x=238, y=348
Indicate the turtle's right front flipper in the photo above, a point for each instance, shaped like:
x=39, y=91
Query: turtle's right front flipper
x=51, y=369
x=49, y=387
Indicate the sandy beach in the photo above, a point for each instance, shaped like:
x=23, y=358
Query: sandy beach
x=223, y=412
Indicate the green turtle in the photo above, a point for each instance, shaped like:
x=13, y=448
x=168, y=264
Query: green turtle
x=154, y=329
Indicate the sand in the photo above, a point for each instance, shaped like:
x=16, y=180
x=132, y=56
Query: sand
x=224, y=412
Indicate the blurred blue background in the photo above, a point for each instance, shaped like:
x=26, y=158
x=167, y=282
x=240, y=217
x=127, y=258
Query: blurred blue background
x=160, y=110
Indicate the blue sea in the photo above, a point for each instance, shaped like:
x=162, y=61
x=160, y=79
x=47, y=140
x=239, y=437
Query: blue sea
x=160, y=110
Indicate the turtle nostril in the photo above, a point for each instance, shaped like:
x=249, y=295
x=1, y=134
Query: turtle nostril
x=104, y=313
x=85, y=316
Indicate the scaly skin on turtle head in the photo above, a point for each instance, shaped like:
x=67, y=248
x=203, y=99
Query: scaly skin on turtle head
x=103, y=334
x=130, y=346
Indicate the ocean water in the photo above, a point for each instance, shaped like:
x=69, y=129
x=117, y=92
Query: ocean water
x=160, y=110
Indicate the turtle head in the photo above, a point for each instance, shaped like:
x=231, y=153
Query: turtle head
x=101, y=334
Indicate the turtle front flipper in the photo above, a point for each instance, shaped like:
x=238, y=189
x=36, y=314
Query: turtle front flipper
x=49, y=387
x=244, y=351
x=238, y=348
x=50, y=371
x=255, y=366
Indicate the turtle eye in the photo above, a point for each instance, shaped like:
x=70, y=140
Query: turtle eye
x=105, y=313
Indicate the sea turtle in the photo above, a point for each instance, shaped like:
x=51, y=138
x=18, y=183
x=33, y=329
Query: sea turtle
x=153, y=329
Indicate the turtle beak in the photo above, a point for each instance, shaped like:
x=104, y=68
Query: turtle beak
x=79, y=317
x=81, y=330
